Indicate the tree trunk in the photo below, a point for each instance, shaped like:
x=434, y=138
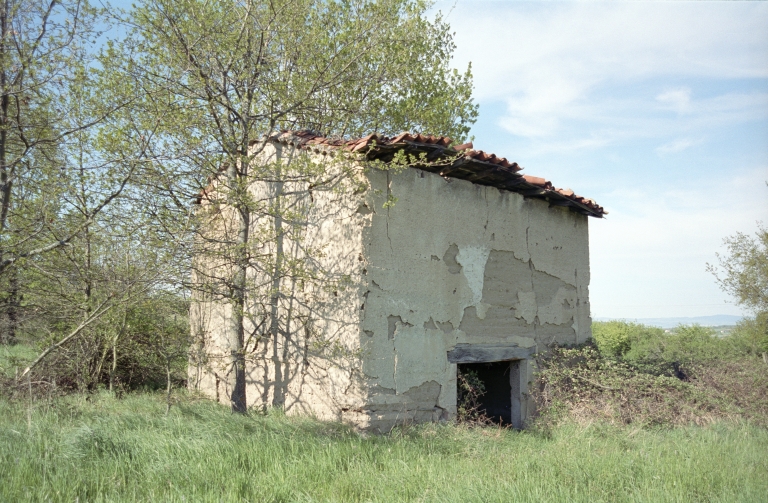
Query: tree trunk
x=8, y=334
x=114, y=366
x=168, y=389
x=236, y=328
x=278, y=399
x=12, y=303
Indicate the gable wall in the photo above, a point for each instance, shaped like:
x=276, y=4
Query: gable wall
x=456, y=263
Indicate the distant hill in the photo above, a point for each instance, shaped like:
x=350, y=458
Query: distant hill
x=717, y=320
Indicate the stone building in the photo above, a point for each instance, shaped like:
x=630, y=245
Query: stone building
x=461, y=263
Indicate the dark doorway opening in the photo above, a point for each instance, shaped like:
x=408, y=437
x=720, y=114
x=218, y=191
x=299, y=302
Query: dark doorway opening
x=496, y=402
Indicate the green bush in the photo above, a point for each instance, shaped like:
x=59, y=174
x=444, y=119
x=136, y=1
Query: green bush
x=652, y=350
x=658, y=352
x=750, y=336
x=131, y=347
x=614, y=339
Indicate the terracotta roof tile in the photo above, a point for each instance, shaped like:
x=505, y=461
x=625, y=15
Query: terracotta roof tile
x=463, y=146
x=477, y=166
x=539, y=182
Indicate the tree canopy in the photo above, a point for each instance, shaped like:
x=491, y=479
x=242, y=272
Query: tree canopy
x=743, y=270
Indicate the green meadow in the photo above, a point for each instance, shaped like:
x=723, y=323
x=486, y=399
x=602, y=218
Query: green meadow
x=100, y=448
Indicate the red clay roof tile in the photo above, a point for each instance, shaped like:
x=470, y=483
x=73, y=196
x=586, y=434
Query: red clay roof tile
x=465, y=150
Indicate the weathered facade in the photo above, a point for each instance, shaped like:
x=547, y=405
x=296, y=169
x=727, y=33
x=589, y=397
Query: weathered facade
x=456, y=272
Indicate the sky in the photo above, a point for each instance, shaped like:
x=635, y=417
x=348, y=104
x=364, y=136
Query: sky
x=656, y=110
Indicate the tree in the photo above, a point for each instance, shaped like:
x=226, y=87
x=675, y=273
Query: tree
x=46, y=106
x=743, y=271
x=222, y=75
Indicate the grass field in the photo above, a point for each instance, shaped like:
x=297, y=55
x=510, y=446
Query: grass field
x=98, y=448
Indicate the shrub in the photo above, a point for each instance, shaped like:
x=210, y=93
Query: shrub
x=614, y=338
x=750, y=337
x=654, y=351
x=470, y=389
x=143, y=345
x=583, y=385
x=660, y=353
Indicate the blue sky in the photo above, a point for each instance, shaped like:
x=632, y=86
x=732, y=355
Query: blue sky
x=657, y=110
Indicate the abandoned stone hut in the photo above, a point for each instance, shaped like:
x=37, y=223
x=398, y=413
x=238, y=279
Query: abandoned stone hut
x=457, y=262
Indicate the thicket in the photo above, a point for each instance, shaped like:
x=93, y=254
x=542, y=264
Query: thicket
x=142, y=346
x=633, y=373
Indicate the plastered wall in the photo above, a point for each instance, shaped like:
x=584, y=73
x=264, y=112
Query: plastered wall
x=448, y=263
x=452, y=262
x=307, y=362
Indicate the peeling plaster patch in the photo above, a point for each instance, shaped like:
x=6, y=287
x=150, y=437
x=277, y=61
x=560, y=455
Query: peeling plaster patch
x=379, y=390
x=523, y=342
x=363, y=209
x=473, y=260
x=435, y=258
x=426, y=393
x=446, y=327
x=420, y=357
x=368, y=333
x=527, y=307
x=450, y=259
x=392, y=327
x=430, y=324
x=556, y=312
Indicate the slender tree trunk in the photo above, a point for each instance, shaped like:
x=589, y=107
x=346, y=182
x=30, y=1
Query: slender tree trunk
x=102, y=360
x=236, y=329
x=12, y=304
x=5, y=181
x=168, y=389
x=8, y=333
x=278, y=399
x=88, y=290
x=114, y=367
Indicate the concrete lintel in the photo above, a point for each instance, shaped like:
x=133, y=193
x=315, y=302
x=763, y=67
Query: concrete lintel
x=478, y=353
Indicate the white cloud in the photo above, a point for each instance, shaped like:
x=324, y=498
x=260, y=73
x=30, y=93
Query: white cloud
x=551, y=63
x=573, y=46
x=678, y=145
x=569, y=146
x=678, y=100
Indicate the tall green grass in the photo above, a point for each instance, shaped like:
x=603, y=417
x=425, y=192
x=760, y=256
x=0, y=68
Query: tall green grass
x=97, y=448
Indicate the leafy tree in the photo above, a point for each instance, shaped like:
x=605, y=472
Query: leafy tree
x=221, y=77
x=47, y=104
x=743, y=271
